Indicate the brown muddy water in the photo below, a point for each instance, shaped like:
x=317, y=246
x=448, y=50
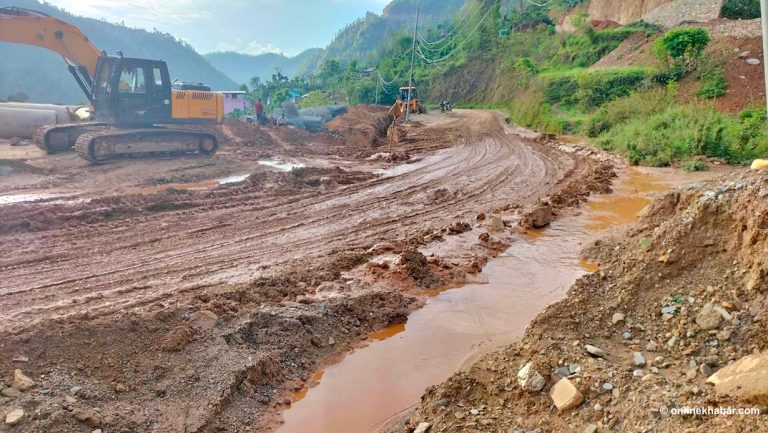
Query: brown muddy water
x=376, y=383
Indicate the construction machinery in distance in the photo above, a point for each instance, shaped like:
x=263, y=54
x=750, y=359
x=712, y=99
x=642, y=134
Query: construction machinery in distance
x=399, y=108
x=136, y=109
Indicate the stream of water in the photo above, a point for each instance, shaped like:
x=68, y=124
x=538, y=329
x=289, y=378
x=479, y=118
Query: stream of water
x=389, y=375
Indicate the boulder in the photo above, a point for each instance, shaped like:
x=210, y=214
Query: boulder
x=14, y=417
x=565, y=395
x=595, y=351
x=22, y=382
x=203, y=319
x=422, y=427
x=537, y=217
x=708, y=318
x=530, y=379
x=745, y=379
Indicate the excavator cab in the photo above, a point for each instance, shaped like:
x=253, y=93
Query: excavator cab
x=132, y=92
x=416, y=105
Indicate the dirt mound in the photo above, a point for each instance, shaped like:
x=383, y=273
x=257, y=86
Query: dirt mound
x=678, y=297
x=416, y=266
x=247, y=134
x=364, y=126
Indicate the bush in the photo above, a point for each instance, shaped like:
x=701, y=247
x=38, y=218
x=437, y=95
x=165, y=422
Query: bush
x=589, y=89
x=712, y=86
x=691, y=166
x=741, y=9
x=681, y=43
x=637, y=104
x=682, y=132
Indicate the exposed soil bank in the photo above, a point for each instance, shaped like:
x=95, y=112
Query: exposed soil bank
x=678, y=297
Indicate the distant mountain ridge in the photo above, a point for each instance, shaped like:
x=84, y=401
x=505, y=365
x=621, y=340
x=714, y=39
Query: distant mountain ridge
x=243, y=67
x=43, y=75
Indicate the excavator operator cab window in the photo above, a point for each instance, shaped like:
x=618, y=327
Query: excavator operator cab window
x=133, y=80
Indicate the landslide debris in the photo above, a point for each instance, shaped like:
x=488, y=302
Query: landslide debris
x=680, y=300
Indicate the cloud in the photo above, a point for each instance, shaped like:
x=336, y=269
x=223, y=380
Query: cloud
x=253, y=48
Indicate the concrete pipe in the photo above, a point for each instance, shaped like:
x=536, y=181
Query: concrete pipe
x=63, y=112
x=22, y=123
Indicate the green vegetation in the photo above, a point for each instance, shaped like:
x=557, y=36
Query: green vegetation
x=741, y=9
x=692, y=166
x=713, y=85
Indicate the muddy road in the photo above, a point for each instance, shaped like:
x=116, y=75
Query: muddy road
x=154, y=296
x=129, y=262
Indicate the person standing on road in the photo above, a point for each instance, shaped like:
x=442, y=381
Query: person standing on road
x=259, y=107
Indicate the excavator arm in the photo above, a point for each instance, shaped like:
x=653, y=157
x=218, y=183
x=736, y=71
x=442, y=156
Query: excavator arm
x=28, y=27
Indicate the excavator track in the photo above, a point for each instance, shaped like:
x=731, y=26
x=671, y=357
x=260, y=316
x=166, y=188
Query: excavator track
x=112, y=144
x=61, y=138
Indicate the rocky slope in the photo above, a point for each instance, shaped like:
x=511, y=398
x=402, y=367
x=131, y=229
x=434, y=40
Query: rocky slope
x=678, y=303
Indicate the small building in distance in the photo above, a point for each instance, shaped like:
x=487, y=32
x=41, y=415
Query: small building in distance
x=234, y=100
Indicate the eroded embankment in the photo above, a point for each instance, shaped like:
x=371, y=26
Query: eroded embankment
x=678, y=297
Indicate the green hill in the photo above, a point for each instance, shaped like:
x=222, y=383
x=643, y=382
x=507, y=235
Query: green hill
x=360, y=39
x=43, y=76
x=243, y=67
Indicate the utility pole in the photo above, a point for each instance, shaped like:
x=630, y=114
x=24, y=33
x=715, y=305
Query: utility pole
x=413, y=59
x=764, y=15
x=377, y=89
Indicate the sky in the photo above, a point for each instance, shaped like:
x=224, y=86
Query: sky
x=246, y=26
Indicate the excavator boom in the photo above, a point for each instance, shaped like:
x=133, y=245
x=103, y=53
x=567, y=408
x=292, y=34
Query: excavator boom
x=24, y=26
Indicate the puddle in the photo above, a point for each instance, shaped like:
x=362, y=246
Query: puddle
x=233, y=179
x=281, y=165
x=23, y=198
x=377, y=382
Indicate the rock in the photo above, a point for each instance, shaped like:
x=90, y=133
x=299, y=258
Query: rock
x=75, y=389
x=496, y=225
x=744, y=54
x=608, y=386
x=562, y=372
x=474, y=412
x=638, y=359
x=708, y=318
x=651, y=346
x=15, y=141
x=98, y=430
x=595, y=351
x=537, y=217
x=672, y=341
x=565, y=396
x=590, y=429
x=14, y=417
x=626, y=336
x=21, y=359
x=87, y=416
x=574, y=368
x=119, y=387
x=530, y=379
x=11, y=392
x=745, y=379
x=638, y=373
x=724, y=335
x=670, y=309
x=691, y=373
x=22, y=382
x=422, y=427
x=203, y=320
x=705, y=370
x=617, y=317
x=753, y=61
x=484, y=237
x=69, y=399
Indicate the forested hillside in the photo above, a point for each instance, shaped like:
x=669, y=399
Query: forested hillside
x=243, y=67
x=360, y=39
x=44, y=77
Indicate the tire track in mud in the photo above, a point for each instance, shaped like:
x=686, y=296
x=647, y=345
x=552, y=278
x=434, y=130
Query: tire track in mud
x=128, y=263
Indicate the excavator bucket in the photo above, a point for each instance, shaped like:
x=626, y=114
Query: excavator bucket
x=396, y=111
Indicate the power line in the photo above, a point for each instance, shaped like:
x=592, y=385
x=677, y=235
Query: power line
x=445, y=57
x=466, y=21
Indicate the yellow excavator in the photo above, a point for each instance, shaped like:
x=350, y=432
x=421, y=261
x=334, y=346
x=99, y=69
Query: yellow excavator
x=398, y=109
x=137, y=110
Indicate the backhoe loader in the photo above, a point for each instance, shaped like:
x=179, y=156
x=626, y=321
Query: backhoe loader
x=137, y=109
